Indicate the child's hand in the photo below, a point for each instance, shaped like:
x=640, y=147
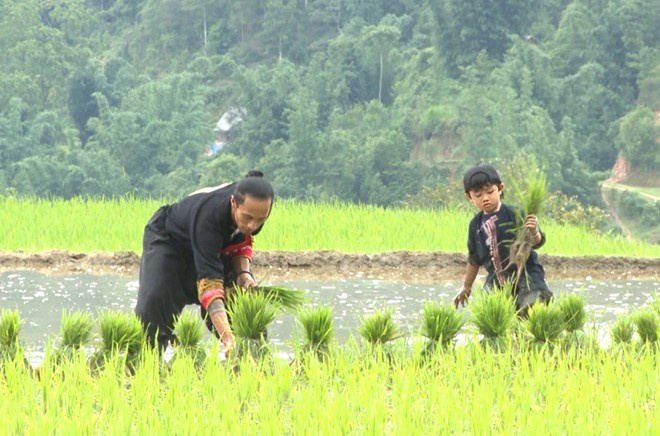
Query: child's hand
x=462, y=297
x=532, y=225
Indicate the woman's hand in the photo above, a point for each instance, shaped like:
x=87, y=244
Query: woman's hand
x=218, y=314
x=228, y=341
x=245, y=279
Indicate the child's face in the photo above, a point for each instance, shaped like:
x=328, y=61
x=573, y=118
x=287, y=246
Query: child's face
x=486, y=198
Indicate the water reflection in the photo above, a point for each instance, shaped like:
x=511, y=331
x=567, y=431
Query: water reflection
x=42, y=298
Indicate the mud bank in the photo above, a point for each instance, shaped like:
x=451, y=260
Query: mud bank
x=400, y=266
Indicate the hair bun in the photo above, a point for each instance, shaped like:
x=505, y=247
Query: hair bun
x=254, y=173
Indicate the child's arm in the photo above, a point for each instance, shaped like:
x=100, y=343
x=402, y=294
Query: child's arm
x=470, y=276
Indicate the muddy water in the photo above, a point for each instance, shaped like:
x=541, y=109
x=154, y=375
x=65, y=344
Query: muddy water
x=41, y=299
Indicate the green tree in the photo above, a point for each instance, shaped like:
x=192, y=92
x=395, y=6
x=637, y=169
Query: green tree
x=160, y=127
x=178, y=28
x=265, y=95
x=280, y=34
x=304, y=165
x=81, y=103
x=465, y=28
x=36, y=56
x=379, y=42
x=637, y=139
x=592, y=108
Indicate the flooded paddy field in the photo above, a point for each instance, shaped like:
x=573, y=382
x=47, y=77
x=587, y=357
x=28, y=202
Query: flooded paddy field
x=41, y=298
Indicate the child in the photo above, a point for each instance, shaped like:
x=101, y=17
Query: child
x=490, y=235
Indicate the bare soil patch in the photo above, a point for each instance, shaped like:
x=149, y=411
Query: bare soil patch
x=400, y=266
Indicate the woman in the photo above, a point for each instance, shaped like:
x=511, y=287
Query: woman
x=194, y=248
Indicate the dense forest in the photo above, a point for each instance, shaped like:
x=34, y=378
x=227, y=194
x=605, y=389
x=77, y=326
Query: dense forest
x=371, y=101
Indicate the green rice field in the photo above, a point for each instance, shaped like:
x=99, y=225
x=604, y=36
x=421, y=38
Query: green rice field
x=557, y=386
x=34, y=225
x=469, y=390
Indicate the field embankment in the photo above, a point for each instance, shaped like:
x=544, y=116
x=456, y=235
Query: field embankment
x=399, y=266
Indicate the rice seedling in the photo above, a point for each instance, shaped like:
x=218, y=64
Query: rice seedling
x=646, y=323
x=655, y=303
x=623, y=330
x=318, y=330
x=531, y=202
x=378, y=329
x=251, y=313
x=494, y=315
x=286, y=298
x=189, y=331
x=75, y=331
x=574, y=314
x=545, y=322
x=440, y=326
x=10, y=328
x=121, y=334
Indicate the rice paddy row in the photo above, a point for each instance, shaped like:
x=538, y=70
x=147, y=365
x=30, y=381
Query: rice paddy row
x=515, y=376
x=81, y=225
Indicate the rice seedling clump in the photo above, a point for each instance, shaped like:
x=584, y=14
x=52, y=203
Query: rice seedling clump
x=623, y=330
x=646, y=323
x=545, y=323
x=574, y=314
x=379, y=328
x=318, y=329
x=121, y=334
x=494, y=314
x=10, y=328
x=76, y=331
x=441, y=324
x=250, y=313
x=188, y=332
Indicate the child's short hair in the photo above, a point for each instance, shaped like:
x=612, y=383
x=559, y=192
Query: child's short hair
x=479, y=176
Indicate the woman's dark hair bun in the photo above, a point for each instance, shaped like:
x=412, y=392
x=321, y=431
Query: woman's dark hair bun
x=254, y=173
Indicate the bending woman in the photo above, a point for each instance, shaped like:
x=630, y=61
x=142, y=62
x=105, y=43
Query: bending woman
x=192, y=249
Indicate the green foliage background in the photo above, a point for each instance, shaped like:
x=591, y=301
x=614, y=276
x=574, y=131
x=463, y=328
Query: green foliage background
x=369, y=101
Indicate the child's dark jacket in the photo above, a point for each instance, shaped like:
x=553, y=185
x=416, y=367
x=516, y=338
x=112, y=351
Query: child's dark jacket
x=489, y=239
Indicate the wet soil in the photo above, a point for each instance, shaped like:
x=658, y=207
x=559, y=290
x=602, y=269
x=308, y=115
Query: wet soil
x=400, y=266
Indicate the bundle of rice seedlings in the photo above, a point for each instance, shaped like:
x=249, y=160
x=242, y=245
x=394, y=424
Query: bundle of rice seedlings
x=655, y=305
x=575, y=316
x=121, y=334
x=494, y=314
x=378, y=329
x=189, y=331
x=440, y=326
x=286, y=298
x=646, y=322
x=75, y=331
x=251, y=313
x=10, y=328
x=318, y=329
x=623, y=330
x=545, y=323
x=572, y=308
x=531, y=202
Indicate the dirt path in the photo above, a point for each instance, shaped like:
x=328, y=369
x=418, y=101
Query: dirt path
x=612, y=210
x=619, y=187
x=401, y=267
